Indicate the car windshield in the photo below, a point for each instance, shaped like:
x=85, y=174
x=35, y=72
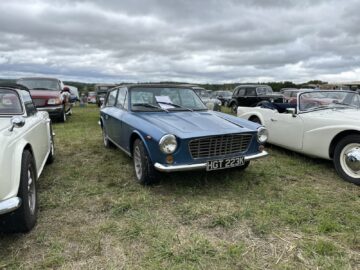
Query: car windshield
x=263, y=91
x=9, y=102
x=224, y=94
x=316, y=100
x=40, y=84
x=164, y=99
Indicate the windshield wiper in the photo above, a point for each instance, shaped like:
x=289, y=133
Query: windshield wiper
x=147, y=105
x=175, y=105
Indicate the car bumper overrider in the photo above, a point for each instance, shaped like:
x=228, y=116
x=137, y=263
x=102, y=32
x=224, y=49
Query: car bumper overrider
x=198, y=166
x=9, y=205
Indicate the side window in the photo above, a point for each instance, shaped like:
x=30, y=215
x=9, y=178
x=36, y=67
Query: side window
x=28, y=102
x=111, y=98
x=126, y=102
x=241, y=92
x=250, y=92
x=121, y=98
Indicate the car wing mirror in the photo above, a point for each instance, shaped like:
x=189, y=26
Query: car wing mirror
x=17, y=122
x=291, y=111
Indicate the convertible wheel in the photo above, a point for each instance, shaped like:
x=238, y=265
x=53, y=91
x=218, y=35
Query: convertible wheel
x=24, y=218
x=51, y=156
x=347, y=158
x=144, y=169
x=234, y=107
x=106, y=141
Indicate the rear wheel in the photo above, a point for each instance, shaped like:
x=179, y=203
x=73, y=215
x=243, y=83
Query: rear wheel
x=24, y=218
x=347, y=158
x=144, y=170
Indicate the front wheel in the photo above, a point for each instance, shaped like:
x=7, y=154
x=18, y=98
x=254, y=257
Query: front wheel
x=62, y=117
x=24, y=218
x=234, y=107
x=144, y=170
x=347, y=158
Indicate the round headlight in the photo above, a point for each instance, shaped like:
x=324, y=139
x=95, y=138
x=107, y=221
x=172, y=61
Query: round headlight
x=262, y=135
x=168, y=144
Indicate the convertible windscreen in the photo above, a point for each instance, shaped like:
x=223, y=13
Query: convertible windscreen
x=165, y=99
x=317, y=100
x=9, y=102
x=40, y=84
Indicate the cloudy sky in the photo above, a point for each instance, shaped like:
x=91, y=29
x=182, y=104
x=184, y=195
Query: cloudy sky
x=195, y=41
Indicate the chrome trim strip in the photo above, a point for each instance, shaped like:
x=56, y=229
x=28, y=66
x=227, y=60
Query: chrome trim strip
x=190, y=167
x=9, y=205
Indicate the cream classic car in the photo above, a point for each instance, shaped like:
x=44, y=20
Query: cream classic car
x=324, y=124
x=26, y=144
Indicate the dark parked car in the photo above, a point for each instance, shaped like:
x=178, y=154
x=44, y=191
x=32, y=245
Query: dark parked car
x=101, y=91
x=167, y=128
x=253, y=95
x=223, y=96
x=205, y=96
x=49, y=94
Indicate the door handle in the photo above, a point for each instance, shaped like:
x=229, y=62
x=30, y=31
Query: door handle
x=273, y=120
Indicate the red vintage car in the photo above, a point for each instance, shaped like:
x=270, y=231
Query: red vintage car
x=49, y=94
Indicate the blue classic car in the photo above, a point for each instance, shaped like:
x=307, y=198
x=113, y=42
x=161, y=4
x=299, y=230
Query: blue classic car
x=167, y=128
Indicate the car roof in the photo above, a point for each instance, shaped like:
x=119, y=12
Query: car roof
x=156, y=85
x=14, y=86
x=252, y=85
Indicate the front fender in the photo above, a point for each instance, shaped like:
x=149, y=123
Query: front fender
x=11, y=168
x=245, y=113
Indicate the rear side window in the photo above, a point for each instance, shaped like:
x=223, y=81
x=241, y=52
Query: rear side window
x=250, y=92
x=121, y=98
x=111, y=100
x=241, y=92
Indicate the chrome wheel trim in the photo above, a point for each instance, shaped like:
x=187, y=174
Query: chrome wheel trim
x=348, y=161
x=137, y=162
x=31, y=191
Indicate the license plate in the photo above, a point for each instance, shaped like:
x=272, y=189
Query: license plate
x=225, y=163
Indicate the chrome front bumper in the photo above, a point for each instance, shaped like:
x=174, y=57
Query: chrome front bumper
x=9, y=205
x=198, y=166
x=51, y=109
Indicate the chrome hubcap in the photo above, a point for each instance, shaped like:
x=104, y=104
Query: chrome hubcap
x=137, y=162
x=350, y=160
x=31, y=191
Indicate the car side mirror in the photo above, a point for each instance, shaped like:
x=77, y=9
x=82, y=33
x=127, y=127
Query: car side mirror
x=17, y=122
x=291, y=111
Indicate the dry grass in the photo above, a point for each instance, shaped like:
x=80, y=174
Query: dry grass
x=284, y=212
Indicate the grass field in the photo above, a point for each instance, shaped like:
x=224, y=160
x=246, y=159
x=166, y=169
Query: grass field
x=286, y=211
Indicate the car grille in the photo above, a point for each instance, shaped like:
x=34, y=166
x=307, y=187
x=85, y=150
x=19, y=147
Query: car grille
x=219, y=145
x=39, y=102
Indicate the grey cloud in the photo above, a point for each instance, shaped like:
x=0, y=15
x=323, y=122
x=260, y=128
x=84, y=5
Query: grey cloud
x=198, y=41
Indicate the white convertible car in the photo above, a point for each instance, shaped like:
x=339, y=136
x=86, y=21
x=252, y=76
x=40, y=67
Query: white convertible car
x=324, y=124
x=26, y=144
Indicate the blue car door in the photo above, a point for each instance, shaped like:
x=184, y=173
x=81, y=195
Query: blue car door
x=121, y=110
x=109, y=113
